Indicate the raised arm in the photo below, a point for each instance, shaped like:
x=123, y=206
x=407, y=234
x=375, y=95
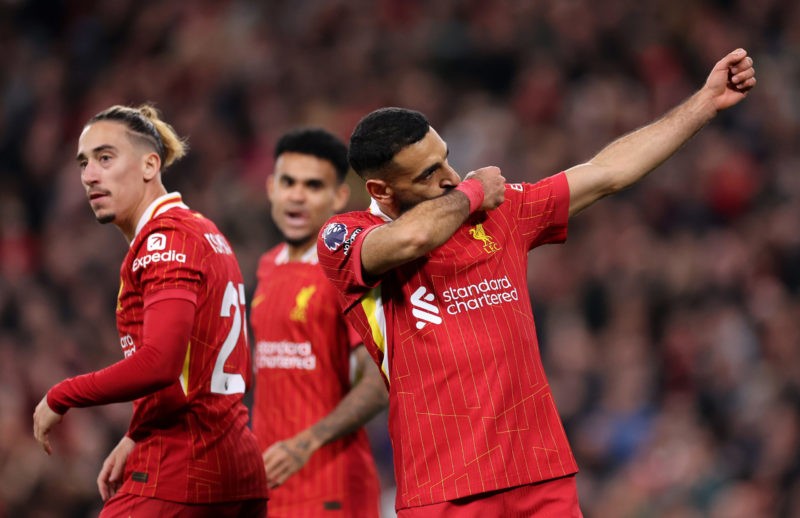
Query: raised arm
x=629, y=158
x=362, y=403
x=430, y=223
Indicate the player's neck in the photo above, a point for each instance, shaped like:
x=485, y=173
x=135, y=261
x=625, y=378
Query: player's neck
x=297, y=251
x=128, y=225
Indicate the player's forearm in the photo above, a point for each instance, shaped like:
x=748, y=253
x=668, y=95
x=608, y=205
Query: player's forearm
x=154, y=366
x=415, y=233
x=123, y=381
x=632, y=156
x=364, y=401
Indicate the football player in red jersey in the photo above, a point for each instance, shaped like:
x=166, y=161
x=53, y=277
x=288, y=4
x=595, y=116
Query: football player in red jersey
x=434, y=278
x=181, y=320
x=307, y=414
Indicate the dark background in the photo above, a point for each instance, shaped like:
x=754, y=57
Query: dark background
x=669, y=322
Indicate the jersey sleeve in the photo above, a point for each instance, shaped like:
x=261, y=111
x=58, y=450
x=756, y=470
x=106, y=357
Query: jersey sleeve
x=166, y=330
x=169, y=258
x=339, y=252
x=542, y=210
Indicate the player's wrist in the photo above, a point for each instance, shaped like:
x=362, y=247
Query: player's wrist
x=54, y=401
x=473, y=189
x=316, y=437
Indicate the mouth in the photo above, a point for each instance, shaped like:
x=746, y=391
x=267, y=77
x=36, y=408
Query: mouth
x=95, y=195
x=296, y=218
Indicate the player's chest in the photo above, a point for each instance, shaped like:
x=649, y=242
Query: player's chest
x=475, y=243
x=293, y=297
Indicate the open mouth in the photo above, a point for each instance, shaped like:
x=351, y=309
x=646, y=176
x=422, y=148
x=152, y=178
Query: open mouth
x=296, y=217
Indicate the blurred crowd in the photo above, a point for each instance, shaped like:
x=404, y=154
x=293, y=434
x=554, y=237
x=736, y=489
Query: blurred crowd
x=669, y=321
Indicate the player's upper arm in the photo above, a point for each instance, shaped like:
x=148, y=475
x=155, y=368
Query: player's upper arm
x=381, y=250
x=366, y=371
x=587, y=184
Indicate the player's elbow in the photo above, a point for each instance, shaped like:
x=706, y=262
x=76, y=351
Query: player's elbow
x=163, y=378
x=610, y=179
x=161, y=371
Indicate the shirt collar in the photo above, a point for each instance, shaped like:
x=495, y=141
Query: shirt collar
x=375, y=210
x=309, y=257
x=159, y=206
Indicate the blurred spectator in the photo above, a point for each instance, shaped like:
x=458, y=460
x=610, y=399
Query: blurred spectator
x=673, y=352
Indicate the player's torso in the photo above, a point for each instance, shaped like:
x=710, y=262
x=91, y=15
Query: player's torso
x=301, y=347
x=220, y=314
x=193, y=444
x=302, y=362
x=468, y=391
x=471, y=290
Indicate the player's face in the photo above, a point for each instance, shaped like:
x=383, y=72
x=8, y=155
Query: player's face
x=113, y=172
x=304, y=193
x=422, y=172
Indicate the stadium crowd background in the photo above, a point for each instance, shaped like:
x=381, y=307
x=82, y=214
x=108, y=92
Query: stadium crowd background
x=669, y=322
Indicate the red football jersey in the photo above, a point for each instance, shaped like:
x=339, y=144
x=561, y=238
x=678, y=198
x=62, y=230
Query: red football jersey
x=302, y=362
x=192, y=438
x=470, y=409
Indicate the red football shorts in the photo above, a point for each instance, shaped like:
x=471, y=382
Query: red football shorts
x=557, y=498
x=123, y=505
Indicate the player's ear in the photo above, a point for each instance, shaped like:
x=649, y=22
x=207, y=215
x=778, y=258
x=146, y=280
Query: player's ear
x=270, y=185
x=379, y=191
x=340, y=196
x=152, y=166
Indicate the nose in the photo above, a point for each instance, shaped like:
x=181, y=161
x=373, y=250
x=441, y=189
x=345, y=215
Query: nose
x=89, y=174
x=297, y=193
x=450, y=178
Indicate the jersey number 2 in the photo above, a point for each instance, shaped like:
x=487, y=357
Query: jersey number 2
x=221, y=381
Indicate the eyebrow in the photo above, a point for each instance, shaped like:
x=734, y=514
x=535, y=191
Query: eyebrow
x=306, y=181
x=98, y=149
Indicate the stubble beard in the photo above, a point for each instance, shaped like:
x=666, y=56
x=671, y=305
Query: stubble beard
x=108, y=218
x=298, y=242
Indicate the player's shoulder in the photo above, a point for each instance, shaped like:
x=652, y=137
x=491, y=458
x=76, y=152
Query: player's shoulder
x=344, y=228
x=518, y=187
x=269, y=258
x=184, y=226
x=185, y=220
x=520, y=190
x=355, y=217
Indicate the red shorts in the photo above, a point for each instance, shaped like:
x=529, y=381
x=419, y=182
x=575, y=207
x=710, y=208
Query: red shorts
x=124, y=505
x=557, y=498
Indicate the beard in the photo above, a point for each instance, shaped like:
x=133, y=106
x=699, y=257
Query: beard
x=108, y=218
x=406, y=203
x=298, y=242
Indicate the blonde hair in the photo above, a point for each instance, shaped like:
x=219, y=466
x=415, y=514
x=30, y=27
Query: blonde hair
x=145, y=122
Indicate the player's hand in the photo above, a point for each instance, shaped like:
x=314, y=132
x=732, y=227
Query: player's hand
x=110, y=478
x=44, y=419
x=730, y=79
x=494, y=186
x=285, y=458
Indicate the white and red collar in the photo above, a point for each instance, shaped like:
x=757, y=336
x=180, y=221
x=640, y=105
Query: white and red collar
x=309, y=257
x=375, y=210
x=159, y=206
